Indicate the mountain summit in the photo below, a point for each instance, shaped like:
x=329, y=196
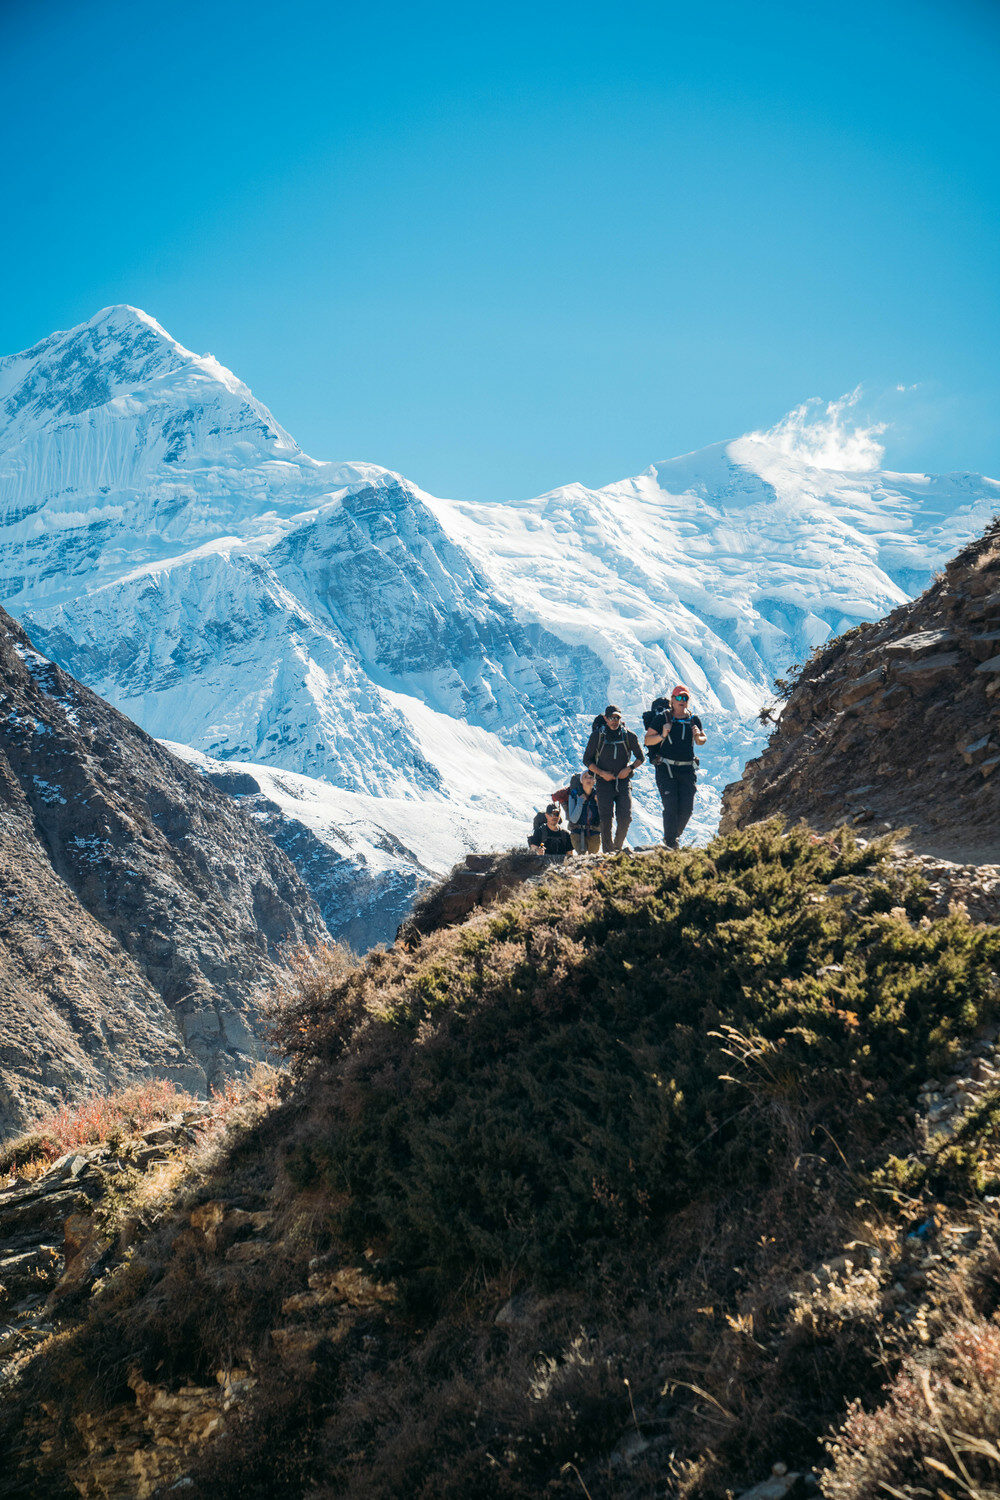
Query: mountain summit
x=430, y=664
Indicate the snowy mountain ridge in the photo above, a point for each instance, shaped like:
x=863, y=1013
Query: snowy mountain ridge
x=165, y=539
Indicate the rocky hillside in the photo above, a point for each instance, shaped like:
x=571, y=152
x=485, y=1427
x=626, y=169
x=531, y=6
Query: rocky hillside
x=640, y=1183
x=142, y=915
x=897, y=723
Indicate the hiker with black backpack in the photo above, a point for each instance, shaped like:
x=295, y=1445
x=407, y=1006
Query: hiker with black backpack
x=672, y=732
x=611, y=755
x=583, y=816
x=547, y=838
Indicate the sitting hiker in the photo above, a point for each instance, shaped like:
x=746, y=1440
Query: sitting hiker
x=583, y=814
x=611, y=755
x=547, y=838
x=672, y=733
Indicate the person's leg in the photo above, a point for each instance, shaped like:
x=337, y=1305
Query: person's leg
x=593, y=843
x=606, y=806
x=578, y=839
x=685, y=801
x=623, y=811
x=667, y=787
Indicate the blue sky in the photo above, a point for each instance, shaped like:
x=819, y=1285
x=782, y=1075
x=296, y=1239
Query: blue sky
x=502, y=248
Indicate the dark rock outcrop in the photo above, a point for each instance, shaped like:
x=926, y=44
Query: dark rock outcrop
x=142, y=914
x=478, y=880
x=897, y=723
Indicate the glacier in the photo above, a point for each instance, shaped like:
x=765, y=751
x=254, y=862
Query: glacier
x=402, y=678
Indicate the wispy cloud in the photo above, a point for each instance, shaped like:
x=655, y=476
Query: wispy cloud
x=824, y=436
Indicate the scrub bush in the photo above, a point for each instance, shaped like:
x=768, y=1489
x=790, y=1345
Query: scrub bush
x=638, y=1105
x=530, y=1090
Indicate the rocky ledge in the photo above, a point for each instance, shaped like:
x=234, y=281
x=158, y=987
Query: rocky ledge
x=897, y=724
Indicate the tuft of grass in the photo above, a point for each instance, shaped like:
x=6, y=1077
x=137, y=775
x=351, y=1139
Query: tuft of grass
x=937, y=1431
x=99, y=1115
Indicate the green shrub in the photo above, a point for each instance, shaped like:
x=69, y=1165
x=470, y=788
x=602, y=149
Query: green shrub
x=531, y=1090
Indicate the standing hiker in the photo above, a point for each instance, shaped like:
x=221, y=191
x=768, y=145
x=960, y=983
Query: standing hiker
x=612, y=754
x=672, y=733
x=583, y=815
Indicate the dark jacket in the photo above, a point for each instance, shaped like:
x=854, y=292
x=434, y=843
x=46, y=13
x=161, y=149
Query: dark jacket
x=679, y=746
x=611, y=749
x=555, y=841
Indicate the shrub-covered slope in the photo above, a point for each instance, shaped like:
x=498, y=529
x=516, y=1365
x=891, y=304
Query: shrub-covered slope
x=606, y=1191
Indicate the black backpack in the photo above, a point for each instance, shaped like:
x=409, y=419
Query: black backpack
x=653, y=717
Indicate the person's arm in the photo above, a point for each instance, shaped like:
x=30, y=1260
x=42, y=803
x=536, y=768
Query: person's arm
x=698, y=733
x=653, y=737
x=590, y=751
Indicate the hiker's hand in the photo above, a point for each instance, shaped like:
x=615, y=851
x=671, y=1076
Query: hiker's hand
x=605, y=775
x=627, y=771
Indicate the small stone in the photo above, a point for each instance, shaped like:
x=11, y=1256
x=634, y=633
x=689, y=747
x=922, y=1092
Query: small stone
x=519, y=1312
x=244, y=1252
x=629, y=1448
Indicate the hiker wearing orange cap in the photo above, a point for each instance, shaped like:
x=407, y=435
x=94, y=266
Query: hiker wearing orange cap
x=672, y=732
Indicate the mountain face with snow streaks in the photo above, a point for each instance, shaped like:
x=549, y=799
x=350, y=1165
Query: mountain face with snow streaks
x=430, y=664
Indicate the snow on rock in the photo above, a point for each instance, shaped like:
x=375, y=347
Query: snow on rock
x=422, y=671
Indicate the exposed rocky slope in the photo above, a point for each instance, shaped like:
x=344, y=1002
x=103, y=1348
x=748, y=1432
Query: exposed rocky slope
x=897, y=723
x=362, y=898
x=628, y=1186
x=142, y=915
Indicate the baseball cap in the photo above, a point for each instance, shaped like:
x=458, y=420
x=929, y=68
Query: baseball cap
x=553, y=807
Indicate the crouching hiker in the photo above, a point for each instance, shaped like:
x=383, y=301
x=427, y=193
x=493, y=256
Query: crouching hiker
x=583, y=814
x=547, y=838
x=612, y=754
x=672, y=734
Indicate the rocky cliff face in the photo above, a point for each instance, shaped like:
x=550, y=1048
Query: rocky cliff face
x=142, y=914
x=361, y=905
x=897, y=723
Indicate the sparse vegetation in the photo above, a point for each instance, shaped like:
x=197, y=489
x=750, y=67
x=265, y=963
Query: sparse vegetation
x=99, y=1116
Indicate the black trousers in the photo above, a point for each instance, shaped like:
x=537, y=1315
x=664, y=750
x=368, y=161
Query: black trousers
x=614, y=800
x=677, y=795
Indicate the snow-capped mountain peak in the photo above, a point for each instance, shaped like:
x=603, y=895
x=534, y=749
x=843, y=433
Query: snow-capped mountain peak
x=168, y=542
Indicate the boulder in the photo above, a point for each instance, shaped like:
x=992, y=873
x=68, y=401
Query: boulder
x=920, y=643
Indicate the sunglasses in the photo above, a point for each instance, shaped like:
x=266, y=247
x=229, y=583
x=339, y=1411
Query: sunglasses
x=680, y=697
